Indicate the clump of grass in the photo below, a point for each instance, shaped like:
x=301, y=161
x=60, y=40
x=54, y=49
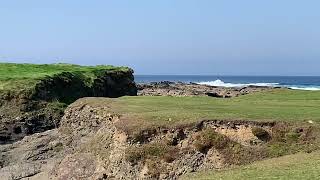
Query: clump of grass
x=290, y=139
x=151, y=151
x=236, y=154
x=279, y=132
x=208, y=139
x=232, y=152
x=155, y=168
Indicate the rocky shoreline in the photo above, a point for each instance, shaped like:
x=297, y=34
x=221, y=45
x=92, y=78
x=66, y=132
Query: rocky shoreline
x=167, y=88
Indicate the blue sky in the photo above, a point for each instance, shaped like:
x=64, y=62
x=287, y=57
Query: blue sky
x=247, y=37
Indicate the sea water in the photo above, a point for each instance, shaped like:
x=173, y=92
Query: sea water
x=293, y=82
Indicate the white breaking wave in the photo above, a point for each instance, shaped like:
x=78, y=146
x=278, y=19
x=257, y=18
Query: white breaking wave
x=305, y=88
x=218, y=82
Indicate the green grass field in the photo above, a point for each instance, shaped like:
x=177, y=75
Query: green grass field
x=20, y=76
x=276, y=105
x=297, y=166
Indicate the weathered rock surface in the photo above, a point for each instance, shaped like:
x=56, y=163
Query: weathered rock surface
x=90, y=145
x=191, y=89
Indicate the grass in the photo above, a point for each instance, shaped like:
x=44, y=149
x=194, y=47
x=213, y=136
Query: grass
x=21, y=76
x=292, y=106
x=208, y=138
x=276, y=105
x=149, y=151
x=297, y=166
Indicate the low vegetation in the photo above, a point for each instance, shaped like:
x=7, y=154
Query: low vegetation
x=152, y=151
x=297, y=166
x=208, y=139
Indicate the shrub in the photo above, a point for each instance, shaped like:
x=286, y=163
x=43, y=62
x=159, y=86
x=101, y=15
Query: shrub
x=208, y=138
x=292, y=137
x=151, y=151
x=155, y=168
x=279, y=132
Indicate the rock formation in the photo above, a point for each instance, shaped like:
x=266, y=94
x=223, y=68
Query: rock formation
x=91, y=143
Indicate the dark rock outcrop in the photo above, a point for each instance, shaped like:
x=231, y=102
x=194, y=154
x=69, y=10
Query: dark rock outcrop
x=114, y=84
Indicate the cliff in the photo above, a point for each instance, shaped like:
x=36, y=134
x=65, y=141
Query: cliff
x=33, y=97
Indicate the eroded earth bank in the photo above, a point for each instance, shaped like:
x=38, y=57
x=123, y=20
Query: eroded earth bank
x=95, y=141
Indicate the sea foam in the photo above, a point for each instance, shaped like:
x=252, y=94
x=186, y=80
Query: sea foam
x=218, y=82
x=305, y=88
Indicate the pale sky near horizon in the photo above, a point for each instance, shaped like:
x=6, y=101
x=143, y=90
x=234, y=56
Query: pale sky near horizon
x=247, y=37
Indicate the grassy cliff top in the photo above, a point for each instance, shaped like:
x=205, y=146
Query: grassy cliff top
x=276, y=105
x=19, y=76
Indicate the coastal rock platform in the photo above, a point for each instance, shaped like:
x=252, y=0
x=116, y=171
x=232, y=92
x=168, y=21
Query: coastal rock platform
x=167, y=88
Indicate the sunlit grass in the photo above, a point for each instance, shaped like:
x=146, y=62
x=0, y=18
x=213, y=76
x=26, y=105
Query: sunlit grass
x=297, y=166
x=275, y=105
x=23, y=76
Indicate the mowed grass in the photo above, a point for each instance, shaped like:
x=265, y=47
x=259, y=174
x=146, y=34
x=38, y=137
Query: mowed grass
x=18, y=76
x=290, y=167
x=274, y=105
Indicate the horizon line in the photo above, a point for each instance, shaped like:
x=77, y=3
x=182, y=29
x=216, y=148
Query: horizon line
x=226, y=75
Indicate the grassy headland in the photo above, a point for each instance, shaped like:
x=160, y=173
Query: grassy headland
x=38, y=94
x=24, y=76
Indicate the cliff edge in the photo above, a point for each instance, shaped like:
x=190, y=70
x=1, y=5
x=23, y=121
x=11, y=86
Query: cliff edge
x=33, y=97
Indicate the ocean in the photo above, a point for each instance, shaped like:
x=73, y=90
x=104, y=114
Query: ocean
x=311, y=83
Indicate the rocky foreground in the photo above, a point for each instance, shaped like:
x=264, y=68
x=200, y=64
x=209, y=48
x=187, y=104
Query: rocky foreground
x=91, y=144
x=167, y=88
x=95, y=142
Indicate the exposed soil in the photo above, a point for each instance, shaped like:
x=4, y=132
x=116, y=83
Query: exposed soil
x=90, y=144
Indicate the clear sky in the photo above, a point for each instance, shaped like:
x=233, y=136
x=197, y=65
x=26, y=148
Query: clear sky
x=218, y=37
